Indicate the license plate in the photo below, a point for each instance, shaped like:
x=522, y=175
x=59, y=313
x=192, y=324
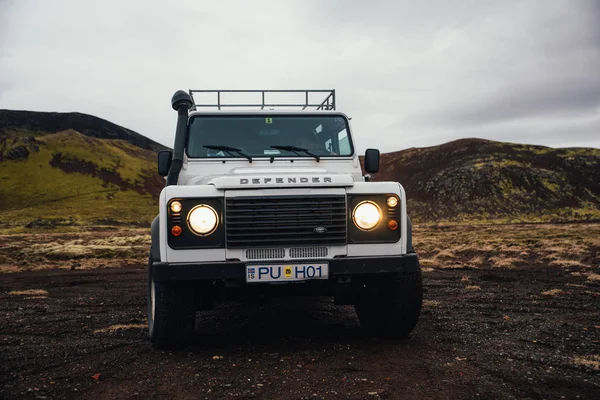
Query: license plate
x=286, y=273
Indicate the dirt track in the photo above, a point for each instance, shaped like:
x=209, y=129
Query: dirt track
x=503, y=340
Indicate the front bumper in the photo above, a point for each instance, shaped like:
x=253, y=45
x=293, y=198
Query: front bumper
x=338, y=267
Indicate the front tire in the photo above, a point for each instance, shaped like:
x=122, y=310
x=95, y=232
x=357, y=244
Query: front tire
x=389, y=307
x=171, y=313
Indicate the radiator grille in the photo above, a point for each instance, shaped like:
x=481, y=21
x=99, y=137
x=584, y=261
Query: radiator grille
x=285, y=221
x=265, y=254
x=308, y=252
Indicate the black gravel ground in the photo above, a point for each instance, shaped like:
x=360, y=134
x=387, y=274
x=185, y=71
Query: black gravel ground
x=484, y=333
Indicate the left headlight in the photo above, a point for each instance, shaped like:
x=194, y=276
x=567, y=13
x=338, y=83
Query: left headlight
x=203, y=220
x=366, y=215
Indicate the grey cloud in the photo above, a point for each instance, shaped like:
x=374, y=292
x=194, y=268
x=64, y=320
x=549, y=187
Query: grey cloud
x=562, y=97
x=409, y=73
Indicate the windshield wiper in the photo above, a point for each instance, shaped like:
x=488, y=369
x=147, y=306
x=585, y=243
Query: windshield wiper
x=229, y=150
x=295, y=150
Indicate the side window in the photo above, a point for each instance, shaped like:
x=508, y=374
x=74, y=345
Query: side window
x=344, y=142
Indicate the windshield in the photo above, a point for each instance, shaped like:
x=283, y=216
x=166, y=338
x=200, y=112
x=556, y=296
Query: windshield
x=254, y=136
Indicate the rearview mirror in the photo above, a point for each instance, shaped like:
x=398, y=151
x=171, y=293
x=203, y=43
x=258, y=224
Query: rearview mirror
x=164, y=162
x=372, y=161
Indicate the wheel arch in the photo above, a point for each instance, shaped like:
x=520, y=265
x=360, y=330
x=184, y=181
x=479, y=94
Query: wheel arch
x=409, y=244
x=155, y=239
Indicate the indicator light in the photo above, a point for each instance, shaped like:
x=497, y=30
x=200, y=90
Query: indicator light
x=176, y=206
x=392, y=201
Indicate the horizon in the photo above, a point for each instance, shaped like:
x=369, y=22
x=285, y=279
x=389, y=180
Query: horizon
x=170, y=146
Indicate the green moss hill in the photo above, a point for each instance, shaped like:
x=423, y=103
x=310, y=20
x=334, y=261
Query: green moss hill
x=475, y=180
x=71, y=169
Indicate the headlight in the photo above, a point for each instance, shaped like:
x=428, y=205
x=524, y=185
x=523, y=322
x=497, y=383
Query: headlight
x=366, y=215
x=203, y=220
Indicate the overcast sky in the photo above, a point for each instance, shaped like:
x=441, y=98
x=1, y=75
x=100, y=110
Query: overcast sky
x=408, y=73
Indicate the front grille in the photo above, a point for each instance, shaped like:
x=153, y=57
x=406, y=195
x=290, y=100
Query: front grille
x=308, y=252
x=265, y=254
x=285, y=221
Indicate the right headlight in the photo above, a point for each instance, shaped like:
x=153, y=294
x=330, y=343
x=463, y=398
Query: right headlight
x=366, y=215
x=203, y=220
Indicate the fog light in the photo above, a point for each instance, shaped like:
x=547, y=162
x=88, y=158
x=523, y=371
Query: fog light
x=392, y=201
x=176, y=206
x=176, y=230
x=392, y=225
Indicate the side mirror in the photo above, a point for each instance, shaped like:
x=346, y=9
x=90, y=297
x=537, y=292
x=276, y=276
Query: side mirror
x=372, y=161
x=164, y=162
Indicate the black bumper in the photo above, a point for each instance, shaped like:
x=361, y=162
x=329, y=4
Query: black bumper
x=164, y=271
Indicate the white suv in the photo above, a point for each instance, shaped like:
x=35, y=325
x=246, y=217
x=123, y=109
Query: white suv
x=274, y=202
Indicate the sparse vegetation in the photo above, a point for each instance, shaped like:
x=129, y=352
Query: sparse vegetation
x=29, y=292
x=75, y=250
x=570, y=246
x=117, y=327
x=591, y=361
x=504, y=261
x=429, y=304
x=573, y=247
x=593, y=277
x=553, y=292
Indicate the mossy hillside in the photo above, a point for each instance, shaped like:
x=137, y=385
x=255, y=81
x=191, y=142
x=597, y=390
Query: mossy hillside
x=34, y=123
x=70, y=176
x=479, y=180
x=113, y=155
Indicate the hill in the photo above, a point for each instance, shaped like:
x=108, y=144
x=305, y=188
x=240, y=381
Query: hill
x=34, y=123
x=475, y=179
x=74, y=168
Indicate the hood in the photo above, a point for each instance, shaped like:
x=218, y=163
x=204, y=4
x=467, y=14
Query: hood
x=246, y=178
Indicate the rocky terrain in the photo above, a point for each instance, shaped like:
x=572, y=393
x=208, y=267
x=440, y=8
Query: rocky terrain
x=509, y=312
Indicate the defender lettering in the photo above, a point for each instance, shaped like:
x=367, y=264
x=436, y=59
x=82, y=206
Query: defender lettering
x=314, y=179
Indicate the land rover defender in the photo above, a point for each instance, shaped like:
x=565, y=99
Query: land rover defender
x=268, y=198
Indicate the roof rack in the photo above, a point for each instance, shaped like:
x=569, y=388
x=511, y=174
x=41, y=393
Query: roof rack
x=327, y=104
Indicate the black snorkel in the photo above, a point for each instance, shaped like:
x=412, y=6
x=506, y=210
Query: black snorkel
x=181, y=102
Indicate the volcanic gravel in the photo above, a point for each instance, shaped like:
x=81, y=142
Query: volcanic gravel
x=483, y=333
